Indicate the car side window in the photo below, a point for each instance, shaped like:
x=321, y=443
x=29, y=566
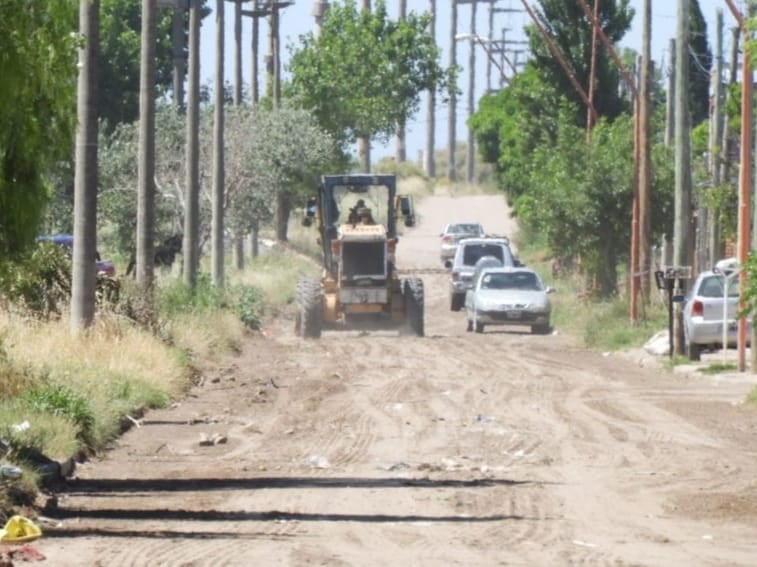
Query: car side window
x=711, y=287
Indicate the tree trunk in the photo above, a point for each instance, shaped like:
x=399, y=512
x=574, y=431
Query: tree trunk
x=85, y=176
x=283, y=206
x=239, y=253
x=254, y=241
x=364, y=153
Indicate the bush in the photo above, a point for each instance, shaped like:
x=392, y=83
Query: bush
x=60, y=400
x=39, y=282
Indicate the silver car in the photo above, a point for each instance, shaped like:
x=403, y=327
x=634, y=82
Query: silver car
x=703, y=313
x=463, y=265
x=453, y=233
x=508, y=296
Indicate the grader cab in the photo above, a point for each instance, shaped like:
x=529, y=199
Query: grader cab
x=356, y=217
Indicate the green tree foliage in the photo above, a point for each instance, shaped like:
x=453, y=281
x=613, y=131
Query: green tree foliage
x=510, y=124
x=264, y=151
x=579, y=196
x=571, y=31
x=38, y=54
x=120, y=30
x=365, y=72
x=700, y=64
x=272, y=151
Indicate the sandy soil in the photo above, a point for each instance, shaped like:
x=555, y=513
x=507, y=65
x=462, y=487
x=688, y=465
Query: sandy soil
x=453, y=449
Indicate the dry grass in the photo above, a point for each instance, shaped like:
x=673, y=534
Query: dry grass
x=205, y=337
x=112, y=347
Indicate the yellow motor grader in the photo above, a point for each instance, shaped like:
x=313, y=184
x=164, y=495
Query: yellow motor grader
x=356, y=216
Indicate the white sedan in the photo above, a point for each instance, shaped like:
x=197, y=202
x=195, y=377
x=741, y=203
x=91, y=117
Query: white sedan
x=509, y=296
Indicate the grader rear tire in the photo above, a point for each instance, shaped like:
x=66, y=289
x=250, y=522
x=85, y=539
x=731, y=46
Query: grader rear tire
x=308, y=320
x=414, y=305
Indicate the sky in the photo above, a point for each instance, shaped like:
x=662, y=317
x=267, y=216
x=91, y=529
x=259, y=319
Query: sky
x=296, y=20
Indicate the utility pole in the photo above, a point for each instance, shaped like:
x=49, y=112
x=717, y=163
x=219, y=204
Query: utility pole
x=85, y=171
x=645, y=163
x=592, y=72
x=191, y=245
x=255, y=14
x=670, y=104
x=217, y=251
x=429, y=161
x=451, y=125
x=470, y=149
x=745, y=182
x=682, y=220
x=319, y=12
x=716, y=134
x=490, y=39
x=401, y=154
x=179, y=59
x=146, y=165
x=363, y=141
x=238, y=249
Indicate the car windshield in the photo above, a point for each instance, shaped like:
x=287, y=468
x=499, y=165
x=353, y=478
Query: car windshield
x=712, y=286
x=471, y=228
x=518, y=280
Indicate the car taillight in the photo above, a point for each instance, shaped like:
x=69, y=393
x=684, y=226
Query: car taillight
x=697, y=308
x=447, y=239
x=335, y=246
x=391, y=245
x=455, y=276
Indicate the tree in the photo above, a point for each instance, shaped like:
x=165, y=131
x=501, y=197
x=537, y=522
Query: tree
x=281, y=151
x=579, y=196
x=365, y=73
x=700, y=64
x=120, y=31
x=37, y=110
x=571, y=31
x=265, y=150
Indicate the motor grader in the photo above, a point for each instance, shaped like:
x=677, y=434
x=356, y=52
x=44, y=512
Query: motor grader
x=356, y=217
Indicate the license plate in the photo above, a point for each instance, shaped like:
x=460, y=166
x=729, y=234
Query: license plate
x=514, y=314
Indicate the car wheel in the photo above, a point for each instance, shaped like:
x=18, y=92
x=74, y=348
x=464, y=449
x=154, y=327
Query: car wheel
x=540, y=329
x=694, y=351
x=478, y=327
x=469, y=328
x=456, y=302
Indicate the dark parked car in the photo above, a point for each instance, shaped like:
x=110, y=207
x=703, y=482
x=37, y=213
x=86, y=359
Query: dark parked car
x=104, y=267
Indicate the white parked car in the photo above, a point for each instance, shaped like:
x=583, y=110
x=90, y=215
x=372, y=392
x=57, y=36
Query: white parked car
x=703, y=313
x=453, y=233
x=508, y=296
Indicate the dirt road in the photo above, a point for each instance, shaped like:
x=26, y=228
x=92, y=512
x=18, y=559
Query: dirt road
x=453, y=449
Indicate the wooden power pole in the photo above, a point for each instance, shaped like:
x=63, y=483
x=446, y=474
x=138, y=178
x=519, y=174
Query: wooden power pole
x=645, y=165
x=85, y=172
x=429, y=160
x=217, y=248
x=682, y=220
x=191, y=244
